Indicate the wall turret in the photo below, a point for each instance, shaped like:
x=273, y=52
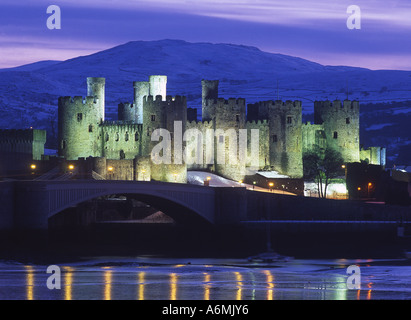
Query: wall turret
x=209, y=92
x=96, y=89
x=126, y=112
x=141, y=89
x=158, y=86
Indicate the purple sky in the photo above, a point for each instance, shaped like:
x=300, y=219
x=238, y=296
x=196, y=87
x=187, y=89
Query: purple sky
x=314, y=30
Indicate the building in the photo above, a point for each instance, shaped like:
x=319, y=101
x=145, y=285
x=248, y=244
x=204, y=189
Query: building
x=123, y=149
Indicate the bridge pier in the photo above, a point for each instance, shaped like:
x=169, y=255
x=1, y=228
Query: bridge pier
x=230, y=205
x=31, y=207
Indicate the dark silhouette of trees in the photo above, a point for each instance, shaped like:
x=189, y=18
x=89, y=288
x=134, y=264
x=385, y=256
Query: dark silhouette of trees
x=321, y=166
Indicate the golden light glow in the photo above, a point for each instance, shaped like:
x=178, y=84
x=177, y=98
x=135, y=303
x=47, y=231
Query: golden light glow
x=33, y=166
x=71, y=167
x=68, y=279
x=271, y=184
x=343, y=166
x=207, y=286
x=239, y=280
x=369, y=184
x=29, y=282
x=141, y=280
x=173, y=286
x=107, y=284
x=208, y=178
x=240, y=181
x=359, y=189
x=270, y=284
x=110, y=168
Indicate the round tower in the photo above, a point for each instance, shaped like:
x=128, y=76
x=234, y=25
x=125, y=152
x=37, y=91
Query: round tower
x=209, y=92
x=158, y=86
x=78, y=130
x=341, y=123
x=141, y=89
x=126, y=112
x=96, y=89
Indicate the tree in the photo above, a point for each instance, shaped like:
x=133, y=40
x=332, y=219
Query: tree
x=322, y=166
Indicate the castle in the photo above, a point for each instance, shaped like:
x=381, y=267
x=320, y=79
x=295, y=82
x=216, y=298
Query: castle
x=125, y=145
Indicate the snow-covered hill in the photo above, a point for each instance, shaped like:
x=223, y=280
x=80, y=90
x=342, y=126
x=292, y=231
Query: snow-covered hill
x=28, y=94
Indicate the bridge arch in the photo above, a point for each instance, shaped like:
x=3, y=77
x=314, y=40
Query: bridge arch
x=44, y=199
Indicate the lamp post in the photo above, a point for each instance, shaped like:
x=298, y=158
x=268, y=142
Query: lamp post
x=368, y=188
x=271, y=185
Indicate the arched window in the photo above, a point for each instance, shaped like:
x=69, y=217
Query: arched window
x=117, y=136
x=126, y=136
x=136, y=137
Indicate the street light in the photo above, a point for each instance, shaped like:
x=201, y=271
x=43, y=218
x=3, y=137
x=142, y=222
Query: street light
x=368, y=188
x=110, y=169
x=271, y=185
x=71, y=167
x=33, y=166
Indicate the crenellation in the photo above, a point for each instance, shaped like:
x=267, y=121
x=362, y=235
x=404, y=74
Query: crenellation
x=283, y=137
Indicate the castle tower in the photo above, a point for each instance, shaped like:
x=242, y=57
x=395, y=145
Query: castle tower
x=79, y=127
x=158, y=86
x=141, y=89
x=209, y=92
x=96, y=88
x=126, y=112
x=162, y=114
x=341, y=123
x=285, y=137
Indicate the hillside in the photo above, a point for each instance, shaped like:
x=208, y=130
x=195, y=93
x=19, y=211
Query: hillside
x=28, y=94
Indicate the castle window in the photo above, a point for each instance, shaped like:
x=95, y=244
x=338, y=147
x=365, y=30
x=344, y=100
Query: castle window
x=153, y=117
x=335, y=134
x=289, y=119
x=275, y=139
x=63, y=144
x=79, y=117
x=148, y=131
x=117, y=136
x=237, y=117
x=126, y=137
x=136, y=137
x=107, y=137
x=221, y=139
x=90, y=128
x=122, y=155
x=347, y=120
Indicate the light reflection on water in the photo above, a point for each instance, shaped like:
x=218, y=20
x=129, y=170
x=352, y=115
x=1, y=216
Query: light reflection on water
x=194, y=282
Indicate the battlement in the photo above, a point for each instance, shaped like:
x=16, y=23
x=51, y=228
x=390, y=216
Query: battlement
x=77, y=101
x=118, y=123
x=337, y=104
x=263, y=122
x=199, y=123
x=170, y=99
x=222, y=101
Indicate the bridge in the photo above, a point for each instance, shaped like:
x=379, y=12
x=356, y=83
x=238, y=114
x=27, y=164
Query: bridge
x=29, y=204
